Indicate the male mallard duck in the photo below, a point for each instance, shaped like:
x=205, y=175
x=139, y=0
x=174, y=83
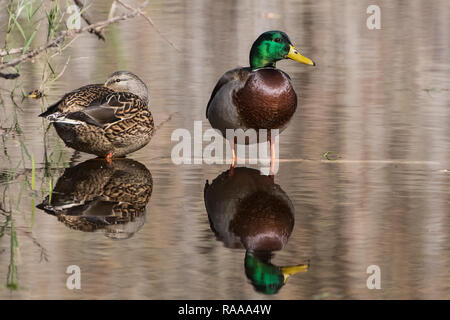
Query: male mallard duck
x=260, y=96
x=95, y=195
x=108, y=120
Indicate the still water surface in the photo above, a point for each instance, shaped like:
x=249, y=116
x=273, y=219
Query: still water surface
x=377, y=99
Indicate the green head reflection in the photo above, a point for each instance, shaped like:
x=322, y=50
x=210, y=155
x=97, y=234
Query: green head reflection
x=266, y=277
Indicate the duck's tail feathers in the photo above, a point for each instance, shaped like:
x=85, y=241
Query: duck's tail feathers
x=52, y=109
x=60, y=118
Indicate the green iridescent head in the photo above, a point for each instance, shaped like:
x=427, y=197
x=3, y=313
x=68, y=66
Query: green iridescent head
x=272, y=46
x=266, y=277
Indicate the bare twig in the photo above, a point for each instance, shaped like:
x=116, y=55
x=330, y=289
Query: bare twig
x=62, y=71
x=7, y=52
x=80, y=5
x=112, y=10
x=65, y=46
x=30, y=54
x=149, y=20
x=4, y=211
x=44, y=252
x=163, y=123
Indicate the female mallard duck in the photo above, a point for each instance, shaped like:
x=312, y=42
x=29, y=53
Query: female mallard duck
x=96, y=196
x=260, y=96
x=108, y=120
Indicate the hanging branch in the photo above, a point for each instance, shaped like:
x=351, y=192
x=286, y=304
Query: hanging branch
x=97, y=27
x=7, y=52
x=151, y=23
x=80, y=5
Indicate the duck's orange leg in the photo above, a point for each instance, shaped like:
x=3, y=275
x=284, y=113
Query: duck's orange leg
x=109, y=158
x=233, y=153
x=272, y=159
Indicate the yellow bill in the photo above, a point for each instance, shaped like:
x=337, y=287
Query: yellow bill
x=291, y=270
x=295, y=55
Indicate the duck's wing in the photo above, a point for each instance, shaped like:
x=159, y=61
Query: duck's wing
x=78, y=99
x=114, y=107
x=235, y=74
x=93, y=208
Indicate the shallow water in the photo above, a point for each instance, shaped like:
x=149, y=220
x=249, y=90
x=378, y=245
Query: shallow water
x=377, y=99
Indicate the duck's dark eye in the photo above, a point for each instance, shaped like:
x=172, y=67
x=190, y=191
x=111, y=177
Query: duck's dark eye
x=117, y=80
x=277, y=40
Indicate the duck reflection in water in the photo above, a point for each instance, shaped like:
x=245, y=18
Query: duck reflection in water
x=97, y=195
x=249, y=210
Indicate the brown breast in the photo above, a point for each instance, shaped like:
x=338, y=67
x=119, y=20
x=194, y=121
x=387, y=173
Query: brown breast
x=263, y=221
x=267, y=99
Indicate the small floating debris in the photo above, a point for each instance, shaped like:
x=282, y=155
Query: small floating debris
x=320, y=296
x=4, y=131
x=270, y=15
x=35, y=94
x=435, y=89
x=331, y=156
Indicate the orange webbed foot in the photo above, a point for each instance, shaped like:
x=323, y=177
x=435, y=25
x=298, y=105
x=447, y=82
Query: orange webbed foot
x=108, y=158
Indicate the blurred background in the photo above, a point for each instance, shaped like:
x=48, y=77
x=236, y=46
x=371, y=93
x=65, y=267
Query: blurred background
x=364, y=163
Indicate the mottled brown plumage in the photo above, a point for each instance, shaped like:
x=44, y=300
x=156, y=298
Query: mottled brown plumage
x=106, y=120
x=118, y=125
x=78, y=99
x=98, y=195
